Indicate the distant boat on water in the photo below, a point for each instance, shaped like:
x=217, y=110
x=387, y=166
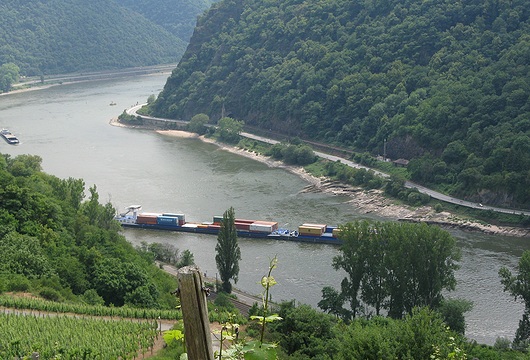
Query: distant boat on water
x=9, y=137
x=112, y=103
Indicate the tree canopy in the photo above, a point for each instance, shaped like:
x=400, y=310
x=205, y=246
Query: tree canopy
x=9, y=74
x=176, y=16
x=392, y=266
x=52, y=238
x=444, y=83
x=228, y=252
x=518, y=286
x=58, y=36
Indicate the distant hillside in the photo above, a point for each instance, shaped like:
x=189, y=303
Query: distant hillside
x=176, y=16
x=445, y=83
x=62, y=36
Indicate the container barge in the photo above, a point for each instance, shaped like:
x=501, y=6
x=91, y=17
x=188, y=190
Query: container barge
x=312, y=233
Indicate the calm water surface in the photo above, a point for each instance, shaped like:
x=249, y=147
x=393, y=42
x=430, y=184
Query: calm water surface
x=68, y=126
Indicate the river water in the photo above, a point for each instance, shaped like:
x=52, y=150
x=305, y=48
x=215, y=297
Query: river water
x=68, y=126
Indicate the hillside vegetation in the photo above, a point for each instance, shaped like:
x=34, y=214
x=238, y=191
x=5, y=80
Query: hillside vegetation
x=176, y=16
x=445, y=83
x=60, y=246
x=64, y=36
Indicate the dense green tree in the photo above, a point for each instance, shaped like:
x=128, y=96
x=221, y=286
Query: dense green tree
x=119, y=282
x=333, y=303
x=186, y=259
x=352, y=260
x=9, y=74
x=421, y=335
x=23, y=254
x=198, y=123
x=518, y=286
x=66, y=246
x=452, y=311
x=395, y=266
x=304, y=333
x=229, y=129
x=228, y=252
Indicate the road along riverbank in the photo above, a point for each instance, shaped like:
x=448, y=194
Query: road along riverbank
x=37, y=83
x=365, y=201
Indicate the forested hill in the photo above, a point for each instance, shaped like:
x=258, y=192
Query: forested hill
x=446, y=83
x=62, y=36
x=176, y=16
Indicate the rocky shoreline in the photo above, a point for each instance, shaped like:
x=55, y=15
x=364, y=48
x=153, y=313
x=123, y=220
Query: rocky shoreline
x=365, y=201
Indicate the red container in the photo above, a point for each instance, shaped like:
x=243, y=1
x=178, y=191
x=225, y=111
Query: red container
x=146, y=219
x=242, y=226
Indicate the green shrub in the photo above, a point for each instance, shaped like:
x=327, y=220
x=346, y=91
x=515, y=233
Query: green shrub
x=18, y=283
x=50, y=294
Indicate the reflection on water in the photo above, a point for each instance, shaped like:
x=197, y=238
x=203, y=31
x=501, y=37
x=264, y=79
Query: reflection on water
x=68, y=127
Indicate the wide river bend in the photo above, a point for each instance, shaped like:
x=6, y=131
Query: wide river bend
x=68, y=126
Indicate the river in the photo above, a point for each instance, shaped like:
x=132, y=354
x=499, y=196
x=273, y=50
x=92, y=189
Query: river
x=68, y=126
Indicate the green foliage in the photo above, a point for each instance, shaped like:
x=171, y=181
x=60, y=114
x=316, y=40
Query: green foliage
x=292, y=154
x=518, y=286
x=16, y=302
x=130, y=119
x=228, y=130
x=23, y=255
x=444, y=85
x=254, y=349
x=186, y=259
x=91, y=297
x=304, y=332
x=16, y=283
x=175, y=344
x=54, y=242
x=333, y=303
x=60, y=337
x=177, y=17
x=228, y=252
x=198, y=123
x=65, y=37
x=151, y=98
x=223, y=301
x=9, y=74
x=164, y=252
x=421, y=335
x=395, y=187
x=353, y=176
x=395, y=266
x=452, y=311
x=50, y=294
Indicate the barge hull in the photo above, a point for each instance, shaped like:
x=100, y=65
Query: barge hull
x=240, y=233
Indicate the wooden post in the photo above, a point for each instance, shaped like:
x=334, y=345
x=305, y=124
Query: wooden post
x=195, y=314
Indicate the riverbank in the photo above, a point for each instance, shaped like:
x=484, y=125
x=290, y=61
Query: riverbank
x=365, y=201
x=35, y=83
x=374, y=201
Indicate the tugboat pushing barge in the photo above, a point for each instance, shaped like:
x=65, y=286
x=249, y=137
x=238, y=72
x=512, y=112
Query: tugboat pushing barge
x=314, y=233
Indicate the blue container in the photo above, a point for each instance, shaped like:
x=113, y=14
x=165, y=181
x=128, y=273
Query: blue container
x=179, y=216
x=167, y=220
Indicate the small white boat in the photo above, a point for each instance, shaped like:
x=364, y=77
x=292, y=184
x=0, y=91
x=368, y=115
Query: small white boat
x=9, y=137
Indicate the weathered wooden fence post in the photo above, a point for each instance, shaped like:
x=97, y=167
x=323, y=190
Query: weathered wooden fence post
x=195, y=314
